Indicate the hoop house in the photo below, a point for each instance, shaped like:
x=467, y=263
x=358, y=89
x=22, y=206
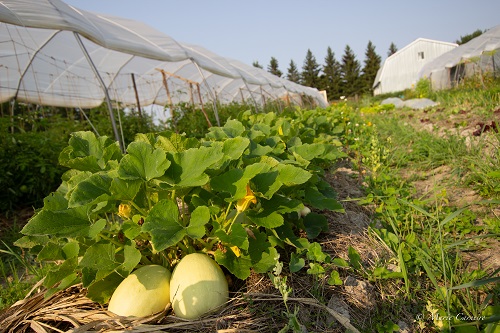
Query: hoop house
x=55, y=54
x=479, y=55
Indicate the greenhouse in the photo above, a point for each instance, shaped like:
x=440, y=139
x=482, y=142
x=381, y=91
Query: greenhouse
x=400, y=70
x=479, y=55
x=55, y=54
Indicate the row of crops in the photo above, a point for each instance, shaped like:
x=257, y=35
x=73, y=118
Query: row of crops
x=242, y=193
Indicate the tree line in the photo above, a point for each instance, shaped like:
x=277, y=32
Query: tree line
x=344, y=77
x=347, y=77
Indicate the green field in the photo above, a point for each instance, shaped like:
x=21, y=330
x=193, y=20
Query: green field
x=402, y=235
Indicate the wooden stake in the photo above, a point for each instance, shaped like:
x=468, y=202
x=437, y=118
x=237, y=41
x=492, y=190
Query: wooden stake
x=136, y=95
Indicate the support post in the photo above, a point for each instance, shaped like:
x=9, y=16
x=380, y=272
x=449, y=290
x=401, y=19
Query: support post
x=103, y=86
x=136, y=95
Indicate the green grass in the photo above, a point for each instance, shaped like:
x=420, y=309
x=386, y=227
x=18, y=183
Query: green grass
x=18, y=270
x=429, y=237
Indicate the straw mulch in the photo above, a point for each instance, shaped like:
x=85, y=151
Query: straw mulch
x=71, y=311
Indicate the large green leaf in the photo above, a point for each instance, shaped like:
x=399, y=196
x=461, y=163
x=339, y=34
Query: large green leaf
x=86, y=152
x=263, y=255
x=232, y=148
x=315, y=224
x=321, y=201
x=237, y=236
x=268, y=183
x=167, y=229
x=266, y=219
x=173, y=142
x=199, y=218
x=143, y=162
x=163, y=224
x=188, y=167
x=122, y=189
x=93, y=190
x=235, y=180
x=239, y=266
x=57, y=220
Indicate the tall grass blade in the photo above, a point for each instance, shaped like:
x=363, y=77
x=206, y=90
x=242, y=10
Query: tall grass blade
x=477, y=283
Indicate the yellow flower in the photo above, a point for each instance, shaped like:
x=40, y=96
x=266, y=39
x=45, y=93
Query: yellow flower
x=280, y=130
x=236, y=250
x=249, y=198
x=124, y=211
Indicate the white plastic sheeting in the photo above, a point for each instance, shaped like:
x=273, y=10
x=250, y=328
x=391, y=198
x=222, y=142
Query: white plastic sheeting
x=479, y=55
x=55, y=54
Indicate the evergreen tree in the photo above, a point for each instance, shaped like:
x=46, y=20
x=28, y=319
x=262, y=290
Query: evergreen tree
x=256, y=64
x=331, y=80
x=273, y=67
x=310, y=71
x=466, y=38
x=350, y=73
x=371, y=67
x=392, y=49
x=293, y=73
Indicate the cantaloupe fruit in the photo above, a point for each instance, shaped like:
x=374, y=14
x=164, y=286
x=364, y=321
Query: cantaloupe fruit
x=197, y=286
x=144, y=292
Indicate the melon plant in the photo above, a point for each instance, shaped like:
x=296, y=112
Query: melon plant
x=236, y=194
x=144, y=292
x=198, y=286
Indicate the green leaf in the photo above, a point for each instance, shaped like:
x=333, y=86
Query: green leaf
x=296, y=263
x=51, y=251
x=125, y=189
x=163, y=224
x=57, y=220
x=237, y=236
x=315, y=224
x=281, y=204
x=308, y=151
x=199, y=218
x=91, y=191
x=266, y=261
x=315, y=269
x=71, y=249
x=131, y=229
x=235, y=181
x=291, y=175
x=335, y=279
x=31, y=241
x=188, y=167
x=60, y=272
x=101, y=290
x=239, y=266
x=315, y=253
x=96, y=228
x=477, y=283
x=143, y=162
x=354, y=258
x=266, y=219
x=100, y=260
x=172, y=142
x=340, y=262
x=232, y=149
x=86, y=152
x=318, y=200
x=131, y=258
x=233, y=128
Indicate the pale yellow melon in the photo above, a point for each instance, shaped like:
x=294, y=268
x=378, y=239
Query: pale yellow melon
x=144, y=292
x=197, y=286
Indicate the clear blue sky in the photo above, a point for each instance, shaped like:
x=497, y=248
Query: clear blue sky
x=257, y=30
